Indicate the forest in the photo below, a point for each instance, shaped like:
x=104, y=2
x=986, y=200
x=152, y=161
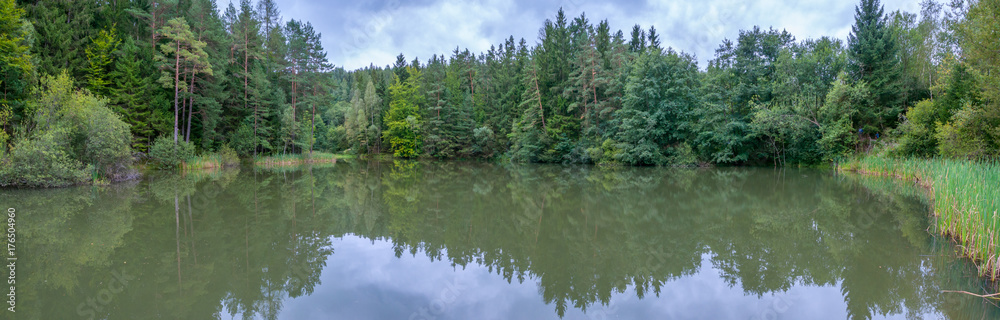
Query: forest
x=91, y=89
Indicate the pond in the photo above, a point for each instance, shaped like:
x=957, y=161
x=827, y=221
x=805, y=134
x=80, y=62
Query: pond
x=469, y=240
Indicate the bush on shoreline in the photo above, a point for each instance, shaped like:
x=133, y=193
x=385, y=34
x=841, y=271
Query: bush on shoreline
x=71, y=137
x=165, y=154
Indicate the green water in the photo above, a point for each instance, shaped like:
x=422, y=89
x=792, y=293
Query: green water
x=454, y=240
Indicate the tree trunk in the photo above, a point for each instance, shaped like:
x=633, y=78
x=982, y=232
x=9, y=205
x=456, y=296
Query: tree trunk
x=187, y=132
x=294, y=101
x=183, y=111
x=538, y=93
x=246, y=62
x=177, y=82
x=312, y=123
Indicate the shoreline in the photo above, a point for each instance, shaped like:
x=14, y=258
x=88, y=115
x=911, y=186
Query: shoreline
x=960, y=199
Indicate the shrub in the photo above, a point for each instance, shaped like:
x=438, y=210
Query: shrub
x=107, y=144
x=70, y=135
x=337, y=138
x=42, y=161
x=228, y=156
x=168, y=155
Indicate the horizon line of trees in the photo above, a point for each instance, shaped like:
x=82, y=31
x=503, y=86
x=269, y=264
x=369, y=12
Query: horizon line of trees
x=903, y=84
x=176, y=76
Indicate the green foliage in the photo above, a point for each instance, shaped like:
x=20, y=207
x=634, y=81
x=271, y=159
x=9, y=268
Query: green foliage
x=583, y=94
x=873, y=59
x=62, y=32
x=71, y=131
x=844, y=116
x=100, y=56
x=917, y=133
x=972, y=133
x=16, y=65
x=225, y=158
x=131, y=93
x=659, y=95
x=107, y=142
x=964, y=198
x=403, y=120
x=243, y=140
x=43, y=160
x=955, y=124
x=363, y=120
x=337, y=138
x=183, y=46
x=166, y=154
x=15, y=52
x=978, y=34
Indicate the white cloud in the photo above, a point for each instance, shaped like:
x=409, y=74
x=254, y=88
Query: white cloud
x=357, y=34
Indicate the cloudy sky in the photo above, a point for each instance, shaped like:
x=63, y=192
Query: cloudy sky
x=357, y=33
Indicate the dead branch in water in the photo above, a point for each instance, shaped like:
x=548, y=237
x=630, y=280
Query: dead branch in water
x=995, y=296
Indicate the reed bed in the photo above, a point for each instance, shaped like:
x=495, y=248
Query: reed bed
x=296, y=159
x=965, y=197
x=225, y=158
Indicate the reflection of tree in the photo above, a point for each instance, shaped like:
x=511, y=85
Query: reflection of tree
x=247, y=241
x=56, y=240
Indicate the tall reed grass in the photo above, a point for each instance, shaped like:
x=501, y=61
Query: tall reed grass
x=965, y=197
x=224, y=158
x=296, y=159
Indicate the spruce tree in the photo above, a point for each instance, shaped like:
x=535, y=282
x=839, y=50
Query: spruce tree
x=15, y=63
x=100, y=56
x=873, y=57
x=131, y=94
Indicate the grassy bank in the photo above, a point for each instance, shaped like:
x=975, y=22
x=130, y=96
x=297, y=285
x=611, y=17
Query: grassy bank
x=965, y=198
x=225, y=158
x=297, y=159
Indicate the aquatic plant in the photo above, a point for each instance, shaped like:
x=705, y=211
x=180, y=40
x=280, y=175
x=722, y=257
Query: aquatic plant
x=965, y=197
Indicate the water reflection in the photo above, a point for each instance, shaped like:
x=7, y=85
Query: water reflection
x=575, y=241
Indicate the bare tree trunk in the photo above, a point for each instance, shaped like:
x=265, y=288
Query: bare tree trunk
x=177, y=236
x=187, y=133
x=312, y=123
x=294, y=101
x=183, y=111
x=538, y=93
x=177, y=82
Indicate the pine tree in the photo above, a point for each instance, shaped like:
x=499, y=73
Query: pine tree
x=205, y=90
x=155, y=16
x=244, y=30
x=182, y=46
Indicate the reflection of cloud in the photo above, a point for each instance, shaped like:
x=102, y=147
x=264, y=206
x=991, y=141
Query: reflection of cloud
x=357, y=33
x=364, y=280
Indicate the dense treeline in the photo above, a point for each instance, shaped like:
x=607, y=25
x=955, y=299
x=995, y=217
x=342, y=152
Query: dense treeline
x=903, y=84
x=175, y=77
x=182, y=79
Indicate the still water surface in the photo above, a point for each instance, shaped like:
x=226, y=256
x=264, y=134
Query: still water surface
x=454, y=240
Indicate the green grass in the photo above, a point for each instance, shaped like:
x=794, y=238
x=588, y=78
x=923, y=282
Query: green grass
x=297, y=159
x=225, y=158
x=966, y=198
